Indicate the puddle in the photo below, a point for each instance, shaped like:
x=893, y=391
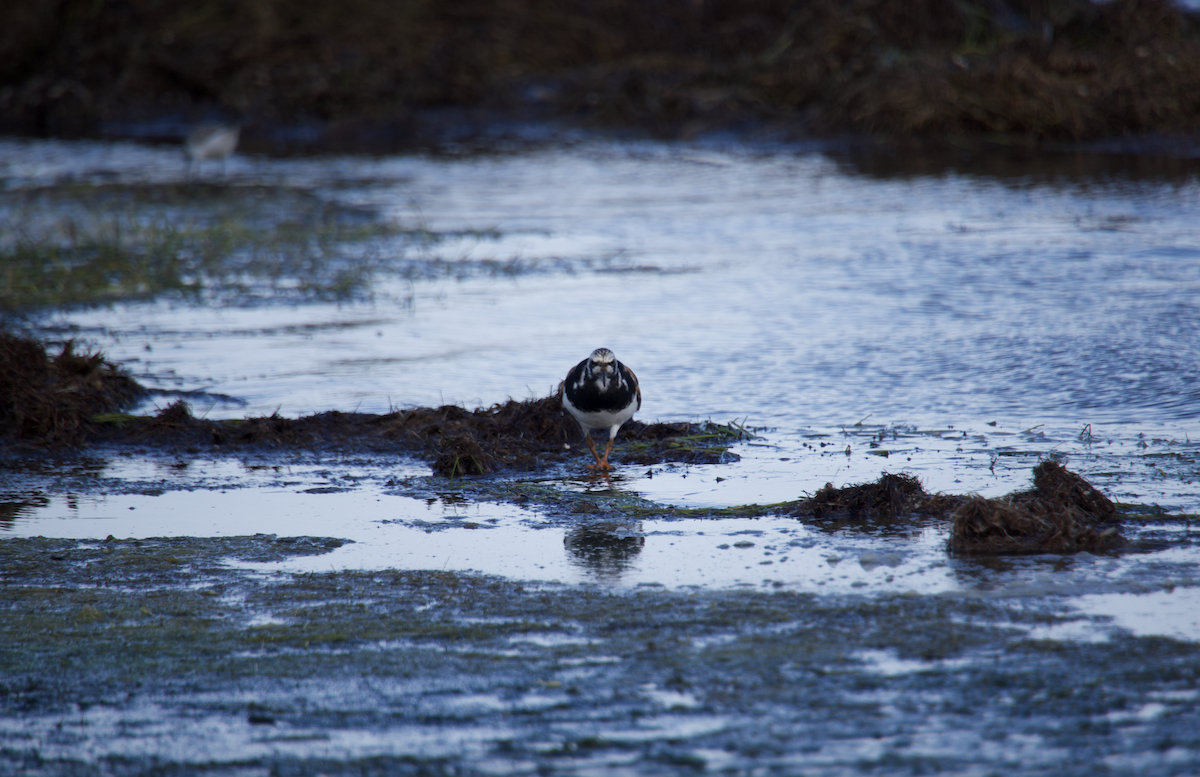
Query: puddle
x=1174, y=614
x=390, y=532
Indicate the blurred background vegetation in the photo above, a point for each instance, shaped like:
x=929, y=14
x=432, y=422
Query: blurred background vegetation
x=1037, y=69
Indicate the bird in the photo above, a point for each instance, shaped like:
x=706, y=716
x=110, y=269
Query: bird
x=601, y=393
x=210, y=141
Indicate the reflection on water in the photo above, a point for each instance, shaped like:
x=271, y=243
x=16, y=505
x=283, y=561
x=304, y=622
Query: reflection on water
x=12, y=512
x=605, y=549
x=1145, y=591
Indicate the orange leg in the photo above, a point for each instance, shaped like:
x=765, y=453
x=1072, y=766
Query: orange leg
x=607, y=450
x=601, y=463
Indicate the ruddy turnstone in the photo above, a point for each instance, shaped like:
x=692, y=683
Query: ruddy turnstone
x=210, y=141
x=601, y=393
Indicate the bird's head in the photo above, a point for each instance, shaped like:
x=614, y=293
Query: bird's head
x=602, y=366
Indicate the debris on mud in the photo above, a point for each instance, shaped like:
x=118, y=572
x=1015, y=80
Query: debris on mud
x=51, y=399
x=1063, y=513
x=156, y=560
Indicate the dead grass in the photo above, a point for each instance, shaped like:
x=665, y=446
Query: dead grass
x=48, y=400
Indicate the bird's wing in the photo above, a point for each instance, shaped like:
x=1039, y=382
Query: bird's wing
x=636, y=386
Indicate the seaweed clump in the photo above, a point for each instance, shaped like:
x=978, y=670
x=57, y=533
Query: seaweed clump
x=889, y=498
x=479, y=442
x=1063, y=513
x=50, y=400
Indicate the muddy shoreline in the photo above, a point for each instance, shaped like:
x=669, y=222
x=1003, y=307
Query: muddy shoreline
x=377, y=75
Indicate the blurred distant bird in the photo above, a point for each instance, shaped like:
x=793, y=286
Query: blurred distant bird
x=210, y=141
x=601, y=393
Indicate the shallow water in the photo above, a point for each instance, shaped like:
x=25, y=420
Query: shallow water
x=786, y=288
x=1045, y=302
x=969, y=322
x=958, y=322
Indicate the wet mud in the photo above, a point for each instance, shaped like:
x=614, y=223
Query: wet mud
x=131, y=656
x=108, y=644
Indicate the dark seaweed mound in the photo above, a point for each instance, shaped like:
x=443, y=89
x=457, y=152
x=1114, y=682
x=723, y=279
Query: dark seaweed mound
x=1063, y=513
x=48, y=399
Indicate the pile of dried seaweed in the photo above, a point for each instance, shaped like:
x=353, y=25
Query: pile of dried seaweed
x=46, y=399
x=889, y=498
x=1063, y=513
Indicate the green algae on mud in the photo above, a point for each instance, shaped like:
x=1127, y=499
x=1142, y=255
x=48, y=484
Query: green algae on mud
x=77, y=245
x=99, y=635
